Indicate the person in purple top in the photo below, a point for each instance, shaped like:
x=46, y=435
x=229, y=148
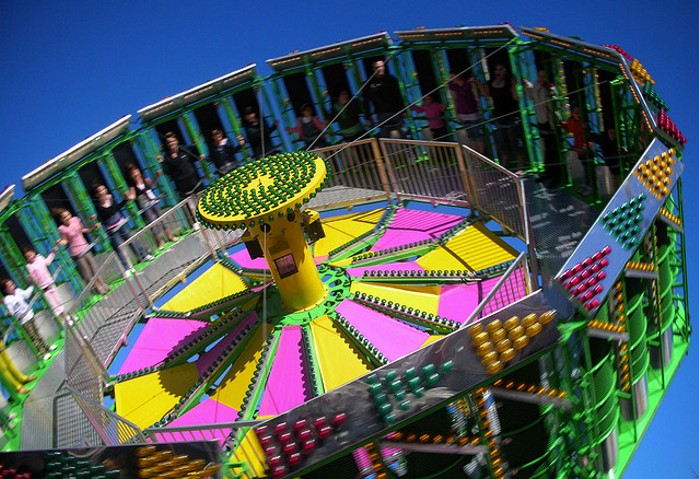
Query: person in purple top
x=464, y=92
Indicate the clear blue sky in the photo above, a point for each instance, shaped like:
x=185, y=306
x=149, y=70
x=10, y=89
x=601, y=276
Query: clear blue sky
x=70, y=68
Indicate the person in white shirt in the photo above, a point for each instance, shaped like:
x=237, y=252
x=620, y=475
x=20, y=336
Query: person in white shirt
x=18, y=304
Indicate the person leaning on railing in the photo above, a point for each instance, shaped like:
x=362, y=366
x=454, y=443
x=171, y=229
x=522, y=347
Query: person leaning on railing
x=72, y=233
x=110, y=215
x=148, y=202
x=19, y=303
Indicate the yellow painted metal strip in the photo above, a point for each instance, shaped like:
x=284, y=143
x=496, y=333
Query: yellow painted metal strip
x=473, y=249
x=146, y=399
x=340, y=361
x=231, y=391
x=215, y=283
x=341, y=229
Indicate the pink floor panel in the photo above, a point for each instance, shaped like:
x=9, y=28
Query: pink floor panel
x=287, y=385
x=392, y=337
x=159, y=338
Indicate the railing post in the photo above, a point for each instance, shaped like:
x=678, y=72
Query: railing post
x=465, y=178
x=382, y=166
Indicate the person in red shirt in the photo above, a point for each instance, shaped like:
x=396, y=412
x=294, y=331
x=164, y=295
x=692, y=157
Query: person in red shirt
x=581, y=147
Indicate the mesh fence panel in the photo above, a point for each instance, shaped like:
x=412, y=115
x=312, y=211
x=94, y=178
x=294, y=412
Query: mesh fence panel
x=428, y=170
x=496, y=192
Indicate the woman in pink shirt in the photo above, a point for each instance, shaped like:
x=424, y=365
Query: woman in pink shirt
x=38, y=267
x=72, y=234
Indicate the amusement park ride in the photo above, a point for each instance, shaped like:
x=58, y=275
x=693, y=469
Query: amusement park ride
x=375, y=309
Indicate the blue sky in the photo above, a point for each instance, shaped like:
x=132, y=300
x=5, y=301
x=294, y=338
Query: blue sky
x=70, y=68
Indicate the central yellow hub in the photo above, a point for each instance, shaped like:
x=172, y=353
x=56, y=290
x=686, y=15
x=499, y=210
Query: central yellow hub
x=265, y=197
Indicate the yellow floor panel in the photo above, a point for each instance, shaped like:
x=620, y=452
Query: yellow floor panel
x=473, y=249
x=425, y=298
x=340, y=361
x=250, y=451
x=146, y=399
x=341, y=229
x=231, y=391
x=215, y=283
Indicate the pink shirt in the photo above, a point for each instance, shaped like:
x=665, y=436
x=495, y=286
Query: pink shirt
x=433, y=113
x=39, y=271
x=73, y=233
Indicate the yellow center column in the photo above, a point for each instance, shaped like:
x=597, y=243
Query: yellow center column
x=265, y=197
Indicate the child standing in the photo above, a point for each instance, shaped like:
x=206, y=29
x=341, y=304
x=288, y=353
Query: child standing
x=17, y=302
x=38, y=267
x=434, y=112
x=309, y=128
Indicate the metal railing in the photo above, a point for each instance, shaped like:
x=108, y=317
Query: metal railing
x=497, y=192
x=512, y=286
x=356, y=173
x=103, y=322
x=113, y=429
x=429, y=170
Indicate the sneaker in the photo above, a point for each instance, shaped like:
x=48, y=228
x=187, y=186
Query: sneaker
x=128, y=273
x=52, y=347
x=149, y=257
x=47, y=356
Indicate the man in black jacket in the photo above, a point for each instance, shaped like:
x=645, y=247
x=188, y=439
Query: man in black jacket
x=383, y=94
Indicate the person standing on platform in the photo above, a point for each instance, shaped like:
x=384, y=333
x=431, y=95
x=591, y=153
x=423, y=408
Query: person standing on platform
x=259, y=133
x=223, y=153
x=541, y=93
x=72, y=233
x=179, y=163
x=17, y=301
x=465, y=94
x=383, y=94
x=38, y=268
x=109, y=214
x=148, y=202
x=506, y=118
x=309, y=128
x=346, y=113
x=434, y=113
x=582, y=148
